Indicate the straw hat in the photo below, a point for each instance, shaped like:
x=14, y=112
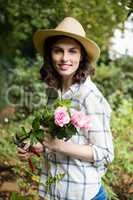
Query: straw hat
x=68, y=27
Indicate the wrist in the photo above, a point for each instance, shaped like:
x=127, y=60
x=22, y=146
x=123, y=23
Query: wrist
x=65, y=146
x=60, y=146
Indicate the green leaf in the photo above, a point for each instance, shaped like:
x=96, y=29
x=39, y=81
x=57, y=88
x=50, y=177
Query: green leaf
x=70, y=131
x=33, y=139
x=36, y=123
x=23, y=130
x=15, y=196
x=40, y=134
x=63, y=102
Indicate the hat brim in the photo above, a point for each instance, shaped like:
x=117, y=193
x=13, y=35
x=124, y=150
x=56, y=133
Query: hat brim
x=90, y=46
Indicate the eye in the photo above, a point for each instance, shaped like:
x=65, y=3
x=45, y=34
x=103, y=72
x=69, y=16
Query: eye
x=73, y=51
x=57, y=50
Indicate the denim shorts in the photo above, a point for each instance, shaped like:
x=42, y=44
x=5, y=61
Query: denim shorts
x=101, y=195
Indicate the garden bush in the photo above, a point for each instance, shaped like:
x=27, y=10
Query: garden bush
x=115, y=81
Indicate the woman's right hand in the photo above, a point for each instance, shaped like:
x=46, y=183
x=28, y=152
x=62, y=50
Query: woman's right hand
x=25, y=152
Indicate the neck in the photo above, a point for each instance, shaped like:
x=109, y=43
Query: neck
x=66, y=83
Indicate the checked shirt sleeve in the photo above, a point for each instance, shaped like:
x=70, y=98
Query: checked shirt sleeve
x=100, y=136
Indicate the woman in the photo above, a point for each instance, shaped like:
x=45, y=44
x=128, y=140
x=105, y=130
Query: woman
x=69, y=58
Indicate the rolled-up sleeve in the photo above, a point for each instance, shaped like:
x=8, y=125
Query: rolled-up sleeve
x=100, y=136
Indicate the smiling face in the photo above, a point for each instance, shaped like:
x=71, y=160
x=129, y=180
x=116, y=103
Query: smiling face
x=66, y=55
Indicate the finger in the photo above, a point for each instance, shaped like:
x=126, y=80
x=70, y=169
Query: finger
x=24, y=156
x=45, y=144
x=20, y=150
x=37, y=150
x=46, y=129
x=38, y=147
x=26, y=146
x=23, y=153
x=48, y=138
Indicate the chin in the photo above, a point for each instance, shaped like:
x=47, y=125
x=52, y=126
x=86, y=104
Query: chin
x=65, y=74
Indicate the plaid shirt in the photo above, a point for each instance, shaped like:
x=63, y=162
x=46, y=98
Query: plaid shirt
x=82, y=179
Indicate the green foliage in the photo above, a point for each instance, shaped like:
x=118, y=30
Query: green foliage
x=2, y=87
x=52, y=180
x=120, y=172
x=123, y=120
x=19, y=19
x=15, y=196
x=111, y=194
x=25, y=91
x=115, y=80
x=107, y=78
x=5, y=149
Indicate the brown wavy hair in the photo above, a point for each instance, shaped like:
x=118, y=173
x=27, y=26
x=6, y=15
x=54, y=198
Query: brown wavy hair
x=48, y=73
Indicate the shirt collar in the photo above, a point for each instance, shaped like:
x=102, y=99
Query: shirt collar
x=74, y=88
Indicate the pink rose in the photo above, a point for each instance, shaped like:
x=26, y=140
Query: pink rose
x=80, y=120
x=75, y=119
x=61, y=116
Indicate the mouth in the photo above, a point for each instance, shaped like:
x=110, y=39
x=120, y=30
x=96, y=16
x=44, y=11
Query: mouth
x=64, y=66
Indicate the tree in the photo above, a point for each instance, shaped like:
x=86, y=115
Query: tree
x=19, y=19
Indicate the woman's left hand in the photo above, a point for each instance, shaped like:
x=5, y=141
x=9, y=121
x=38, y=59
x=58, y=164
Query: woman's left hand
x=53, y=144
x=78, y=151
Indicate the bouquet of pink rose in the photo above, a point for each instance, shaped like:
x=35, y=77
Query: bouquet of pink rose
x=60, y=119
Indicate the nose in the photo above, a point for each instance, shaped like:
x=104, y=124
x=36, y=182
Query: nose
x=65, y=56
